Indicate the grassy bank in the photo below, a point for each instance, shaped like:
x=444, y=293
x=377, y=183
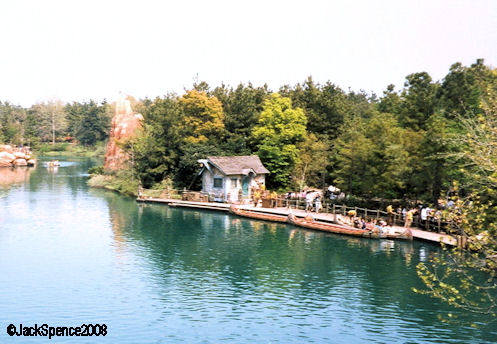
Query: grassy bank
x=125, y=183
x=60, y=149
x=122, y=182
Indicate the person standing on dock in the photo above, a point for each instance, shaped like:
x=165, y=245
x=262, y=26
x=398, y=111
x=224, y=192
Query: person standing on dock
x=424, y=217
x=409, y=218
x=317, y=202
x=390, y=213
x=273, y=196
x=257, y=197
x=309, y=197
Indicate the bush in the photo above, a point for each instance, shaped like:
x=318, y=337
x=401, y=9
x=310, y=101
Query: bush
x=96, y=170
x=122, y=182
x=58, y=147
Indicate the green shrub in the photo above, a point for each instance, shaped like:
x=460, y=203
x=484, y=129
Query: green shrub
x=122, y=182
x=96, y=170
x=57, y=147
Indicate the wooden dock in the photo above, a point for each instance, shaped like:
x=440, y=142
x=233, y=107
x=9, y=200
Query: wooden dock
x=325, y=217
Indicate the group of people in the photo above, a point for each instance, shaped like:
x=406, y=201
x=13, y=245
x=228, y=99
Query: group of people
x=259, y=193
x=426, y=215
x=365, y=223
x=313, y=201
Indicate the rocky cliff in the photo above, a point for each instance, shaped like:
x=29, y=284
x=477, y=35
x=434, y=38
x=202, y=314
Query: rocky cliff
x=125, y=125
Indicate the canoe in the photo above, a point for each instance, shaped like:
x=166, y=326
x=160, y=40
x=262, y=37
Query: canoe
x=334, y=228
x=347, y=230
x=257, y=215
x=404, y=235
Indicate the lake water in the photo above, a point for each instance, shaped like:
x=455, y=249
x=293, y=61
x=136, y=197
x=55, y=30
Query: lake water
x=70, y=255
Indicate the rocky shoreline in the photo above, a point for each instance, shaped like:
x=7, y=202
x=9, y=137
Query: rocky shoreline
x=15, y=157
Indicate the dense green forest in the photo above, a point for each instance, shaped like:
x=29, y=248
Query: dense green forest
x=55, y=123
x=399, y=145
x=402, y=144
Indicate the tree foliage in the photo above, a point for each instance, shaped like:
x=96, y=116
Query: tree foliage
x=156, y=149
x=468, y=280
x=280, y=128
x=202, y=119
x=370, y=156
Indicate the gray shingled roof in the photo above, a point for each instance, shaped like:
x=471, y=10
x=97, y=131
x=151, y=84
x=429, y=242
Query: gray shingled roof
x=238, y=164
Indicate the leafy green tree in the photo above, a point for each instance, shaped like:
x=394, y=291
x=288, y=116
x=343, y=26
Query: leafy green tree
x=52, y=119
x=32, y=130
x=418, y=100
x=202, y=119
x=94, y=125
x=280, y=128
x=156, y=150
x=390, y=102
x=361, y=104
x=325, y=106
x=311, y=167
x=465, y=90
x=74, y=113
x=12, y=120
x=370, y=156
x=468, y=279
x=242, y=107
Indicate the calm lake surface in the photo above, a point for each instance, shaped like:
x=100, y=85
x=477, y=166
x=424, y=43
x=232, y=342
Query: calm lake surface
x=70, y=255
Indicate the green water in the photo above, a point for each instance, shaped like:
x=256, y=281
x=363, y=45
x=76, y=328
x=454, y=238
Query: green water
x=71, y=255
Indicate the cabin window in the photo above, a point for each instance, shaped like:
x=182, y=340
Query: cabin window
x=234, y=182
x=218, y=182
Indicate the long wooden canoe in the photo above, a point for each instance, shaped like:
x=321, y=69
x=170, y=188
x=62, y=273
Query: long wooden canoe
x=333, y=228
x=405, y=235
x=257, y=215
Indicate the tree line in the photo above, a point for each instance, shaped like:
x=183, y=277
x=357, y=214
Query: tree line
x=53, y=121
x=397, y=145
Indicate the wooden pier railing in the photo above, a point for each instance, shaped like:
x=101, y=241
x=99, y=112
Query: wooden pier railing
x=328, y=207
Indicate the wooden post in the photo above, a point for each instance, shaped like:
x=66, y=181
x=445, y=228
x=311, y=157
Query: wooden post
x=377, y=214
x=334, y=213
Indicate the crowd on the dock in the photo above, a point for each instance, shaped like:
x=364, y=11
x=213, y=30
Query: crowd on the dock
x=420, y=215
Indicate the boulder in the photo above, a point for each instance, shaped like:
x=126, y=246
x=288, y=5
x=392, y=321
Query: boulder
x=5, y=162
x=6, y=148
x=31, y=162
x=20, y=162
x=7, y=156
x=125, y=125
x=19, y=155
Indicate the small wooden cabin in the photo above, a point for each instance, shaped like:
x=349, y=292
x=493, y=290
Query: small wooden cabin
x=230, y=178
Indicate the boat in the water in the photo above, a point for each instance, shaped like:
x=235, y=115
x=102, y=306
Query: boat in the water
x=257, y=215
x=334, y=228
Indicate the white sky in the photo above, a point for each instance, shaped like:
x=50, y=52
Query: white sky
x=81, y=50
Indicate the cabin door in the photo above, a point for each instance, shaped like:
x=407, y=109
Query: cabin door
x=245, y=185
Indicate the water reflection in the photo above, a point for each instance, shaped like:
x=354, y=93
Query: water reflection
x=14, y=175
x=267, y=275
